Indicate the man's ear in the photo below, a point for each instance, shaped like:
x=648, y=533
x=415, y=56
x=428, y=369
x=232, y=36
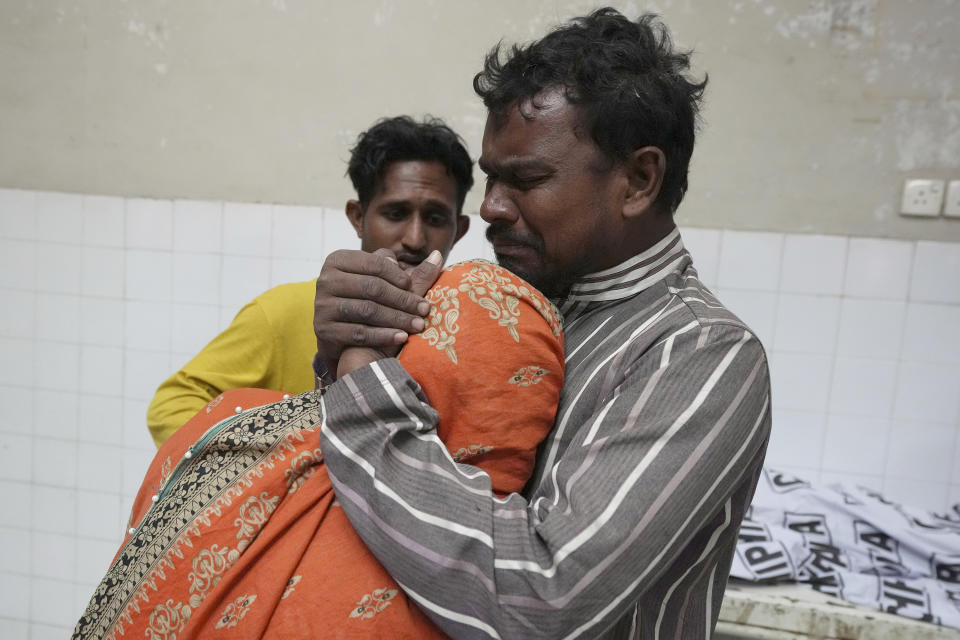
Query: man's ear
x=355, y=216
x=463, y=225
x=645, y=169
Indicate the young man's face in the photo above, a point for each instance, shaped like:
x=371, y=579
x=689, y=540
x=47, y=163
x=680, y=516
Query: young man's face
x=553, y=200
x=413, y=212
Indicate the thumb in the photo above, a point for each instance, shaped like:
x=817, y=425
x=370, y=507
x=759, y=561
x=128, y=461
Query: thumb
x=426, y=273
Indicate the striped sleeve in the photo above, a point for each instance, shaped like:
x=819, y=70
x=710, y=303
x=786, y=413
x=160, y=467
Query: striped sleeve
x=648, y=472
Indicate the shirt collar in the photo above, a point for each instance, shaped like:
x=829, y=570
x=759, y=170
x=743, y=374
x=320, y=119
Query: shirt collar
x=631, y=276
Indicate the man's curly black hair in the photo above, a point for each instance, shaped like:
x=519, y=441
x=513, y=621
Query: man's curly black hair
x=628, y=80
x=402, y=138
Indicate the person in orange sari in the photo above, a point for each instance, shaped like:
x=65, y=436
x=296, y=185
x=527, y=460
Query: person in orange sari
x=236, y=531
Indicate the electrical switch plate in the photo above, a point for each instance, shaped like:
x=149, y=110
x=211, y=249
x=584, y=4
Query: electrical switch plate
x=922, y=197
x=952, y=206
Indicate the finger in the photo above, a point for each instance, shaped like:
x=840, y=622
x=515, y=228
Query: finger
x=386, y=253
x=367, y=312
x=381, y=264
x=354, y=335
x=334, y=286
x=426, y=273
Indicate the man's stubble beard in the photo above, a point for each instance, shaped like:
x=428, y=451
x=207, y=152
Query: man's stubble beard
x=552, y=282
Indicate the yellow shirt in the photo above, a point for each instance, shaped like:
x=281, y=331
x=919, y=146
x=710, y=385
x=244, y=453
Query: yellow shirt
x=269, y=345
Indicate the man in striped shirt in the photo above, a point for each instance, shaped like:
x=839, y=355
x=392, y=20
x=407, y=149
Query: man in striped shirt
x=628, y=525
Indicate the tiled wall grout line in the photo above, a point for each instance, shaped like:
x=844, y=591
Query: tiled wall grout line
x=898, y=374
x=834, y=358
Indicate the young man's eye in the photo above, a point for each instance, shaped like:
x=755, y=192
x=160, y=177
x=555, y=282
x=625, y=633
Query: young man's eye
x=394, y=214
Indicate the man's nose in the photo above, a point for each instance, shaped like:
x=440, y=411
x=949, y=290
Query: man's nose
x=414, y=237
x=497, y=207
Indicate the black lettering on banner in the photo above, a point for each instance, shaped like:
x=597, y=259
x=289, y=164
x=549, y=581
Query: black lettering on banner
x=945, y=567
x=871, y=537
x=830, y=585
x=878, y=497
x=851, y=499
x=824, y=560
x=753, y=532
x=884, y=565
x=950, y=519
x=766, y=560
x=917, y=522
x=884, y=550
x=938, y=522
x=896, y=596
x=783, y=483
x=812, y=526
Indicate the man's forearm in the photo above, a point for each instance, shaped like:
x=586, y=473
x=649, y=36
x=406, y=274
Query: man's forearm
x=591, y=540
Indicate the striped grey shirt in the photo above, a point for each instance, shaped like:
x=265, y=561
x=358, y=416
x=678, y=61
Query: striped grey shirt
x=628, y=525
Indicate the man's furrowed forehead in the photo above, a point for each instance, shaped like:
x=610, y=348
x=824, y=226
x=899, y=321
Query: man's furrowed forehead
x=540, y=131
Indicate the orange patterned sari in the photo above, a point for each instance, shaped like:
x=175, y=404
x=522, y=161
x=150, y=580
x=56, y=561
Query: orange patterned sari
x=236, y=531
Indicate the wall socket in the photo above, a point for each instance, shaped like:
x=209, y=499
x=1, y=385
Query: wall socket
x=922, y=197
x=951, y=207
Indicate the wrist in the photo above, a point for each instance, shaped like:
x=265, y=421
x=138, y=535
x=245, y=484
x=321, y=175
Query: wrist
x=354, y=358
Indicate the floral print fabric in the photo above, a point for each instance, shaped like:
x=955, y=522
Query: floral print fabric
x=236, y=531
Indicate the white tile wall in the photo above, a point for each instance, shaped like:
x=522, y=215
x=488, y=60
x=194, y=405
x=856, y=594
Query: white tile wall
x=338, y=233
x=933, y=265
x=149, y=224
x=705, y=245
x=18, y=264
x=103, y=221
x=249, y=230
x=283, y=270
x=57, y=219
x=58, y=268
x=931, y=333
x=149, y=275
x=878, y=269
x=196, y=278
x=750, y=260
x=807, y=323
x=102, y=272
x=813, y=264
x=196, y=226
x=102, y=297
x=18, y=214
x=17, y=313
x=870, y=327
x=297, y=233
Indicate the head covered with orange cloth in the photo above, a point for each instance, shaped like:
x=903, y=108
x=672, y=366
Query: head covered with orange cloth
x=493, y=348
x=236, y=531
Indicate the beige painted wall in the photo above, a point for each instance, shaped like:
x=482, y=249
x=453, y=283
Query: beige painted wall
x=816, y=111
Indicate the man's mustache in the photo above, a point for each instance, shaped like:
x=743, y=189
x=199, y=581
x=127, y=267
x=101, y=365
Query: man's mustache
x=505, y=235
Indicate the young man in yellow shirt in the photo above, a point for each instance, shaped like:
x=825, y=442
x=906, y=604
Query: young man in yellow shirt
x=411, y=179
